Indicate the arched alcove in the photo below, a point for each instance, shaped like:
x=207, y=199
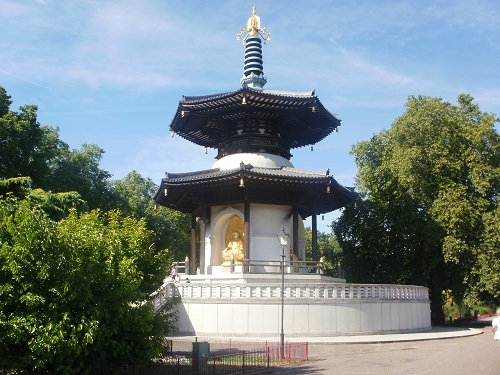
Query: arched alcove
x=225, y=222
x=234, y=249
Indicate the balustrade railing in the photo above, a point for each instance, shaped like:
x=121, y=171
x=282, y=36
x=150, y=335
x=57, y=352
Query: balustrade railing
x=260, y=266
x=181, y=267
x=272, y=267
x=330, y=291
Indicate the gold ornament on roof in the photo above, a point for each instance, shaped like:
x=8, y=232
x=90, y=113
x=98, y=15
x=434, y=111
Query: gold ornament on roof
x=253, y=28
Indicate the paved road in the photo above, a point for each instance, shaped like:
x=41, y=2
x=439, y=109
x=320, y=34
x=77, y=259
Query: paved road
x=473, y=355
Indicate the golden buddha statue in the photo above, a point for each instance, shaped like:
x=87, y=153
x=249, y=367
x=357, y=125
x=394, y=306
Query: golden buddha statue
x=235, y=249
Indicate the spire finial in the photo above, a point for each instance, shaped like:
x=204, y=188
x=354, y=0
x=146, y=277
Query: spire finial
x=253, y=75
x=253, y=28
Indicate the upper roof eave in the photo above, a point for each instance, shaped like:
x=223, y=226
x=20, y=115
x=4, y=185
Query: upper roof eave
x=275, y=93
x=322, y=192
x=193, y=113
x=249, y=170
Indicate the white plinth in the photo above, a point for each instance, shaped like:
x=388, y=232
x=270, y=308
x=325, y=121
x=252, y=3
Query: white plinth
x=237, y=305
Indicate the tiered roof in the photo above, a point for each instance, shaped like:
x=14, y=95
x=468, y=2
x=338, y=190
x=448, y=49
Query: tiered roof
x=248, y=120
x=252, y=120
x=314, y=192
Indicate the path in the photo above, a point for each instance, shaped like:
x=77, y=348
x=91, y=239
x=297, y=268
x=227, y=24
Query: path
x=471, y=355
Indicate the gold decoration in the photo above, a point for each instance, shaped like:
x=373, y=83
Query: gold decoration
x=253, y=28
x=253, y=23
x=235, y=249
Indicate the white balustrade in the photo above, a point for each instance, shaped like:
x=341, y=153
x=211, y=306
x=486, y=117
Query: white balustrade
x=193, y=291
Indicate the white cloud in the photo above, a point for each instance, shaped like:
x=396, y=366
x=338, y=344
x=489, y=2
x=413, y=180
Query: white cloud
x=361, y=57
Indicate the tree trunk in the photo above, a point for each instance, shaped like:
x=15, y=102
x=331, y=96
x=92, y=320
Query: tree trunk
x=436, y=292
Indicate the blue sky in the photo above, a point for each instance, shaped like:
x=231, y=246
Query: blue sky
x=113, y=72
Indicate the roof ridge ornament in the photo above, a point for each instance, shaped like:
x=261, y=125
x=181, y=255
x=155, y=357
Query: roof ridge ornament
x=253, y=29
x=252, y=36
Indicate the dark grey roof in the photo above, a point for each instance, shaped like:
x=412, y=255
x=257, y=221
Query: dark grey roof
x=293, y=119
x=275, y=172
x=275, y=93
x=313, y=191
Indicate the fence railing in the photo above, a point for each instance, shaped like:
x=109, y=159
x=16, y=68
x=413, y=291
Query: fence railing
x=260, y=266
x=269, y=266
x=292, y=291
x=250, y=360
x=222, y=363
x=181, y=267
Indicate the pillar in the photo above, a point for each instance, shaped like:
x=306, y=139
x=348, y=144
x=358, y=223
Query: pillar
x=202, y=238
x=192, y=260
x=295, y=237
x=247, y=227
x=314, y=222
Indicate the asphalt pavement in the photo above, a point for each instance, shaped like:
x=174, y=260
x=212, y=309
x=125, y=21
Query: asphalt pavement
x=453, y=350
x=450, y=350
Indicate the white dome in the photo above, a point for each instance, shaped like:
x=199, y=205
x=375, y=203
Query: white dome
x=255, y=159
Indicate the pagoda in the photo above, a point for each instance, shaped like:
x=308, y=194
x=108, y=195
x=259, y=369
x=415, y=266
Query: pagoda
x=253, y=196
x=253, y=188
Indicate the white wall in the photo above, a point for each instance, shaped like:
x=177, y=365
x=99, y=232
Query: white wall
x=266, y=222
x=262, y=318
x=311, y=309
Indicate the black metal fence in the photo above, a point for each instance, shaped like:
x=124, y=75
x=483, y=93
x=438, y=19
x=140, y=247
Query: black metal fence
x=221, y=361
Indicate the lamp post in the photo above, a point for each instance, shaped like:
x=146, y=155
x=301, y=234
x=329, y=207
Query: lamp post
x=283, y=238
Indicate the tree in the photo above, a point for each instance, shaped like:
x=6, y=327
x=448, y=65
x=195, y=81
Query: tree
x=74, y=294
x=328, y=249
x=5, y=102
x=79, y=170
x=27, y=147
x=487, y=266
x=133, y=196
x=56, y=205
x=430, y=187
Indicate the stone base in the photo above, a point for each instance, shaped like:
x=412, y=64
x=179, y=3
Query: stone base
x=313, y=306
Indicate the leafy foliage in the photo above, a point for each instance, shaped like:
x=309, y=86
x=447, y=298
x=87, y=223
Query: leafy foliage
x=27, y=147
x=17, y=186
x=75, y=284
x=73, y=295
x=328, y=249
x=56, y=205
x=32, y=151
x=170, y=228
x=78, y=170
x=430, y=187
x=487, y=266
x=5, y=102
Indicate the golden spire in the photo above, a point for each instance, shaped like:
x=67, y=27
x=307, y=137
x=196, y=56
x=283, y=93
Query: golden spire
x=253, y=28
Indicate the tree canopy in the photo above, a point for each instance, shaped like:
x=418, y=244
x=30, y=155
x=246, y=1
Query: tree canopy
x=76, y=274
x=430, y=187
x=27, y=147
x=74, y=292
x=5, y=102
x=133, y=196
x=31, y=150
x=328, y=249
x=79, y=170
